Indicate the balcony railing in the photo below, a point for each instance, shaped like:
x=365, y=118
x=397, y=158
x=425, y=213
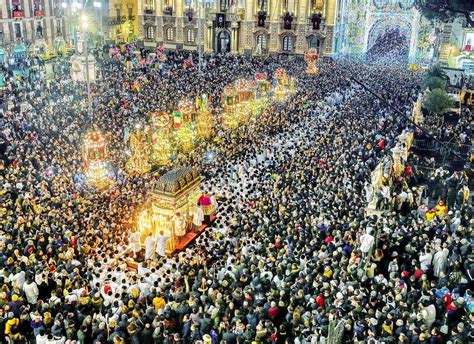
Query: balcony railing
x=266, y=23
x=168, y=11
x=149, y=12
x=115, y=20
x=18, y=14
x=291, y=27
x=39, y=13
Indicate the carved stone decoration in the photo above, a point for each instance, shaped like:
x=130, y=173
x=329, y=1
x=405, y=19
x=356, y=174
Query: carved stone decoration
x=249, y=36
x=179, y=29
x=274, y=43
x=328, y=40
x=159, y=31
x=300, y=39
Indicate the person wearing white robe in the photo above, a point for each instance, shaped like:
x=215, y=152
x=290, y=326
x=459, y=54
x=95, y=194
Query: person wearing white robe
x=440, y=261
x=425, y=260
x=161, y=241
x=150, y=244
x=134, y=244
x=198, y=217
x=366, y=242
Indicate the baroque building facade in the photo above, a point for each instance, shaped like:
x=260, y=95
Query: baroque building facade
x=255, y=27
x=37, y=24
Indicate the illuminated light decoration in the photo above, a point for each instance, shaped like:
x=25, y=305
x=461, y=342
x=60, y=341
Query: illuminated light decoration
x=139, y=163
x=185, y=137
x=311, y=57
x=95, y=160
x=159, y=136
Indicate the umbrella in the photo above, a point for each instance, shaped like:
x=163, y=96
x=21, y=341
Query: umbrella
x=205, y=200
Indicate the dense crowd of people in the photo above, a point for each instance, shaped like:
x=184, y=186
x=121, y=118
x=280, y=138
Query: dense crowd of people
x=292, y=249
x=390, y=46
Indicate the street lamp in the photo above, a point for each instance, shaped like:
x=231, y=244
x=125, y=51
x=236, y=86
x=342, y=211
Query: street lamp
x=98, y=5
x=84, y=25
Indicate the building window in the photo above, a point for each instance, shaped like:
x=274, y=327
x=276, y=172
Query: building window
x=208, y=3
x=262, y=42
x=150, y=32
x=262, y=5
x=16, y=5
x=39, y=31
x=58, y=27
x=169, y=34
x=17, y=31
x=190, y=35
x=149, y=6
x=118, y=12
x=287, y=43
x=314, y=43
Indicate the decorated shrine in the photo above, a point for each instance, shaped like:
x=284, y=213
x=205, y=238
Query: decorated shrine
x=170, y=202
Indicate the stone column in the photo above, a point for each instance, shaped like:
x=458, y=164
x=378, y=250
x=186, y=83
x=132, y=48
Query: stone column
x=234, y=38
x=209, y=36
x=330, y=8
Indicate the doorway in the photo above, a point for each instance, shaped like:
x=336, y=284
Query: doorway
x=223, y=42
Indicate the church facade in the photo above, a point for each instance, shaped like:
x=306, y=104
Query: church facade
x=252, y=27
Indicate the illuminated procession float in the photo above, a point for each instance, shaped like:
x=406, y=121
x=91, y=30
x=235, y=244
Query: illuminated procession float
x=160, y=136
x=203, y=118
x=139, y=162
x=263, y=86
x=311, y=57
x=284, y=86
x=232, y=111
x=95, y=159
x=169, y=208
x=244, y=101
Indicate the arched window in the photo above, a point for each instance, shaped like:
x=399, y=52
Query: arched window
x=190, y=35
x=169, y=34
x=314, y=43
x=287, y=43
x=262, y=42
x=150, y=32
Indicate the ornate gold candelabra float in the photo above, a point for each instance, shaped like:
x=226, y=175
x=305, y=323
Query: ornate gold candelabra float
x=95, y=159
x=284, y=86
x=139, y=162
x=160, y=136
x=203, y=118
x=185, y=137
x=263, y=86
x=311, y=57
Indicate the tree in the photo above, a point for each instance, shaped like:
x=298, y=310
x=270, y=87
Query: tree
x=447, y=10
x=437, y=71
x=433, y=82
x=438, y=101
